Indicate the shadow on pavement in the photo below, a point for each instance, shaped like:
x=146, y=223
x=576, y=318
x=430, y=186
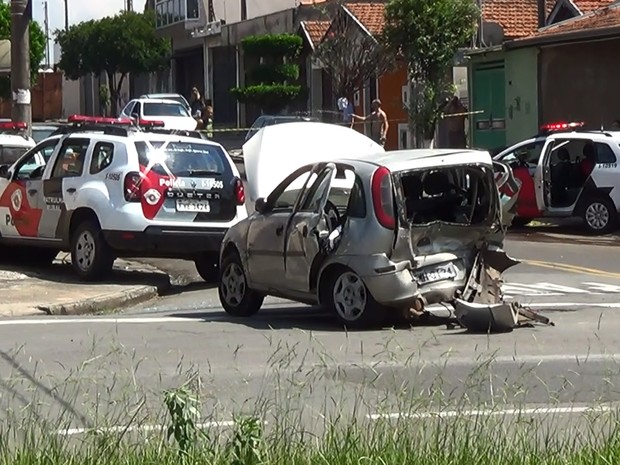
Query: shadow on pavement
x=304, y=319
x=63, y=273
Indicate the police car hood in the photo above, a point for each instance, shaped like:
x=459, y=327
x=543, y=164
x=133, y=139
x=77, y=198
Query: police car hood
x=276, y=151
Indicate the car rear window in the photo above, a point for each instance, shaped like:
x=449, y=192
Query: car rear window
x=192, y=159
x=10, y=154
x=164, y=109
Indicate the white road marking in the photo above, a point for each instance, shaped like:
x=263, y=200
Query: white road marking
x=499, y=412
x=216, y=317
x=143, y=428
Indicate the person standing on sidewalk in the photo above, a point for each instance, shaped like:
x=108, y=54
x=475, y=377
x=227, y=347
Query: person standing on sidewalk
x=207, y=119
x=378, y=122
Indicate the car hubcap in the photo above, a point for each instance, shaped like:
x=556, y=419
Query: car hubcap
x=597, y=215
x=85, y=251
x=233, y=285
x=349, y=296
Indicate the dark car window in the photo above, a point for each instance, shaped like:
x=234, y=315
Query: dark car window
x=604, y=153
x=192, y=159
x=164, y=109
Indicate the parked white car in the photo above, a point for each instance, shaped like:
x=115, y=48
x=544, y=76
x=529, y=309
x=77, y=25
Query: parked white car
x=173, y=114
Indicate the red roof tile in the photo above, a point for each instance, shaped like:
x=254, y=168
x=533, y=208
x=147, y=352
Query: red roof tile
x=519, y=18
x=586, y=6
x=598, y=19
x=316, y=30
x=371, y=15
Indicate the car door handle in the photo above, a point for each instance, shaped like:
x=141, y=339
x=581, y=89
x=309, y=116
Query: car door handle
x=279, y=230
x=32, y=191
x=72, y=190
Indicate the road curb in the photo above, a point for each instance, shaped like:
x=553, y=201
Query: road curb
x=106, y=303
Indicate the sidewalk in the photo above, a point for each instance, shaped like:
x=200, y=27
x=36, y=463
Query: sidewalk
x=56, y=290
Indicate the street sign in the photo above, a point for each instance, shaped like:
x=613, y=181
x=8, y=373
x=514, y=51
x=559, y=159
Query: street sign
x=5, y=56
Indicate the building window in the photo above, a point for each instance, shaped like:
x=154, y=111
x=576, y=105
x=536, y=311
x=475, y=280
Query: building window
x=404, y=93
x=192, y=9
x=356, y=98
x=404, y=139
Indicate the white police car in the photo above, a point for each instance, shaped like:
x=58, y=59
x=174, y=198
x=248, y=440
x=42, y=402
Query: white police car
x=568, y=172
x=103, y=188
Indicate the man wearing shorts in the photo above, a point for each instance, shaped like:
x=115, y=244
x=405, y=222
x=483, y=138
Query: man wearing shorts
x=378, y=122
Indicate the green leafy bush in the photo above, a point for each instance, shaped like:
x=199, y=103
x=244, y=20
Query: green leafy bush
x=273, y=74
x=273, y=45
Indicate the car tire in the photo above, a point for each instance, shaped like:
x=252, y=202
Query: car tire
x=236, y=297
x=347, y=296
x=207, y=267
x=91, y=256
x=600, y=215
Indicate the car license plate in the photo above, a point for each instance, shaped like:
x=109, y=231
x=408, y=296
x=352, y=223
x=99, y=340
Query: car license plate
x=440, y=273
x=186, y=205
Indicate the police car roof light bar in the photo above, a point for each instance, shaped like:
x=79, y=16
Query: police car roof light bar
x=151, y=124
x=561, y=126
x=82, y=119
x=13, y=125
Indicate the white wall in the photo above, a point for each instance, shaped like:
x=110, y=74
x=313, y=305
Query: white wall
x=230, y=10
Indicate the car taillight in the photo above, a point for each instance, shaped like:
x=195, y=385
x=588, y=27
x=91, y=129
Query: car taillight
x=131, y=187
x=239, y=192
x=382, y=199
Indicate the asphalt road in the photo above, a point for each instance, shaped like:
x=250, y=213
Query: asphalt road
x=107, y=370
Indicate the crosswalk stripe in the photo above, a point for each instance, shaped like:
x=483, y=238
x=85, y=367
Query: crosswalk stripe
x=551, y=289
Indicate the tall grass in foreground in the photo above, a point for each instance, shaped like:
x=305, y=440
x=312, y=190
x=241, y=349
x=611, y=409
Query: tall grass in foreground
x=468, y=439
x=281, y=424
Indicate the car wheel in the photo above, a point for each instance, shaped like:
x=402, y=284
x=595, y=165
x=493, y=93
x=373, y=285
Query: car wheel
x=208, y=267
x=351, y=301
x=600, y=215
x=91, y=256
x=235, y=295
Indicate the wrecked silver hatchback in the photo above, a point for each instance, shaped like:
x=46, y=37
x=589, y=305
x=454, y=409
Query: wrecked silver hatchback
x=376, y=234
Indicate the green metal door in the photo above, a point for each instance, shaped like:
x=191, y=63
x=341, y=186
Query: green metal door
x=489, y=97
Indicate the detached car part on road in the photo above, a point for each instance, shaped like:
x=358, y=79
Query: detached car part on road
x=104, y=188
x=368, y=232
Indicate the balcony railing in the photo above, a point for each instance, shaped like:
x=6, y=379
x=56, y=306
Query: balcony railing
x=176, y=11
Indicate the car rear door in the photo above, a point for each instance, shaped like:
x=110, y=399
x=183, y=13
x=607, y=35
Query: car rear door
x=187, y=183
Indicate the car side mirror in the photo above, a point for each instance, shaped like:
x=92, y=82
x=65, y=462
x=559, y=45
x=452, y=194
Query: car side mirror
x=260, y=205
x=4, y=172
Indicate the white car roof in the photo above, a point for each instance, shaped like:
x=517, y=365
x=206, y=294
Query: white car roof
x=405, y=160
x=15, y=140
x=157, y=100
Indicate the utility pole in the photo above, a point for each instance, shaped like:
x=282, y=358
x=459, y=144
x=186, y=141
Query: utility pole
x=66, y=15
x=129, y=5
x=48, y=52
x=20, y=61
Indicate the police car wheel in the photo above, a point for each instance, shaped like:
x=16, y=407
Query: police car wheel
x=600, y=215
x=208, y=267
x=90, y=255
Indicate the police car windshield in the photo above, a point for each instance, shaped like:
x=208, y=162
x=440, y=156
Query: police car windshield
x=191, y=159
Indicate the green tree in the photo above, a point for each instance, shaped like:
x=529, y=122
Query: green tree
x=37, y=47
x=117, y=46
x=272, y=83
x=428, y=34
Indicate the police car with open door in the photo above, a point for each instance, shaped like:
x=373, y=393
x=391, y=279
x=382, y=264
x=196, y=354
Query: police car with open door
x=568, y=172
x=104, y=188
